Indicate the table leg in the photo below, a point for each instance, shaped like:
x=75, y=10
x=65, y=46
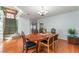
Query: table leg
x=38, y=47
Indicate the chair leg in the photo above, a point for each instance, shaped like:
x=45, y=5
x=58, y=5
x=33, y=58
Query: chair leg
x=39, y=47
x=57, y=43
x=48, y=49
x=53, y=46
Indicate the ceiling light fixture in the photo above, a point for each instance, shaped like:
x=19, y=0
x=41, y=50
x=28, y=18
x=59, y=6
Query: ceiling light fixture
x=43, y=11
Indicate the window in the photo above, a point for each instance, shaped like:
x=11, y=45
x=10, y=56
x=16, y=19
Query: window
x=10, y=22
x=10, y=26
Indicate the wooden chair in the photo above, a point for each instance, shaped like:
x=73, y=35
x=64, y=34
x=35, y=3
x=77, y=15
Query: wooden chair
x=48, y=42
x=27, y=44
x=55, y=41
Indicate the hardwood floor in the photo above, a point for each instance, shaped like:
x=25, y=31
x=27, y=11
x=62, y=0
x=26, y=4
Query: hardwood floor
x=15, y=46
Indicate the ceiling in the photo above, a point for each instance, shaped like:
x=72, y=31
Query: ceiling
x=31, y=11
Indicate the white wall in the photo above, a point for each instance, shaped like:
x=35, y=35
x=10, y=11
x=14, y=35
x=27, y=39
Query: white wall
x=62, y=23
x=23, y=25
x=1, y=30
x=1, y=24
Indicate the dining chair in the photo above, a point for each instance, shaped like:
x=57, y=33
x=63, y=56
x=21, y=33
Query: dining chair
x=55, y=41
x=48, y=43
x=27, y=45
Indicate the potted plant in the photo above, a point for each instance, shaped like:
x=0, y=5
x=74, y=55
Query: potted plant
x=72, y=32
x=72, y=37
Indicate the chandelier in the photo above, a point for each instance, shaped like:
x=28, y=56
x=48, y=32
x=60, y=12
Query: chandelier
x=43, y=11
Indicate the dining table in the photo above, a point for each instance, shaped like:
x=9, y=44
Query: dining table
x=37, y=37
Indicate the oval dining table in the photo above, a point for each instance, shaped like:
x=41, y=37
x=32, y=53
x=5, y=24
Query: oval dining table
x=36, y=38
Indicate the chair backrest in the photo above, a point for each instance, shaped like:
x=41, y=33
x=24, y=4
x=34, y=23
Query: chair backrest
x=50, y=39
x=56, y=37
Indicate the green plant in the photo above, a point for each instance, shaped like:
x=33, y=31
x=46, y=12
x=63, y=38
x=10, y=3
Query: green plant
x=72, y=31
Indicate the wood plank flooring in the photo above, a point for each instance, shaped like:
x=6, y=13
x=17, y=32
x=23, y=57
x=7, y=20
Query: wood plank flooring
x=15, y=46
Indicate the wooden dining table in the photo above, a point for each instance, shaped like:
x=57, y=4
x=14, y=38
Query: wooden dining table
x=37, y=38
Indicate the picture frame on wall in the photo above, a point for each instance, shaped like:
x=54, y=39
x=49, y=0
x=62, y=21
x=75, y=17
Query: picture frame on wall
x=34, y=27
